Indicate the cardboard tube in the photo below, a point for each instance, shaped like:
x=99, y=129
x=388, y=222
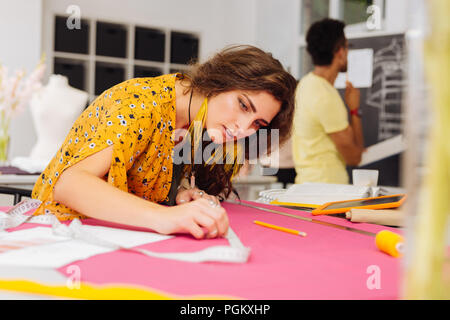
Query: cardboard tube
x=382, y=217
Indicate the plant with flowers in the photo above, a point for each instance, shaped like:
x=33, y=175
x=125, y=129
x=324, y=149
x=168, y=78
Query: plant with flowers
x=15, y=92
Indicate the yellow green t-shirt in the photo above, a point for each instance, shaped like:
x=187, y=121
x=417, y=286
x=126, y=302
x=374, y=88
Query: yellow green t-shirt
x=319, y=111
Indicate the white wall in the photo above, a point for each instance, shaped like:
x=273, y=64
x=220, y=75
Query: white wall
x=397, y=14
x=219, y=22
x=20, y=48
x=276, y=28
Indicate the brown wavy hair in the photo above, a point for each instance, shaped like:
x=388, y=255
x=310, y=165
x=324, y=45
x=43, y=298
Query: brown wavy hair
x=242, y=67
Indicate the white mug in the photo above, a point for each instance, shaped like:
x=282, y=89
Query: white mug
x=365, y=178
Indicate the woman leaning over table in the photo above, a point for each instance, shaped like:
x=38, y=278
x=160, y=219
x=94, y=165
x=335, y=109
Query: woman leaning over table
x=117, y=162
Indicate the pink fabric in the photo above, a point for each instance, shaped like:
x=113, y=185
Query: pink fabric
x=327, y=264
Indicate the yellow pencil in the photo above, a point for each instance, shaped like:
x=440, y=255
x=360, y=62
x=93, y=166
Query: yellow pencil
x=271, y=226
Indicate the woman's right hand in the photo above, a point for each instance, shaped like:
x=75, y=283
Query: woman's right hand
x=192, y=217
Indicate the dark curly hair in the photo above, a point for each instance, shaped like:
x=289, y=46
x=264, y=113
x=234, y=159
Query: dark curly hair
x=242, y=67
x=323, y=39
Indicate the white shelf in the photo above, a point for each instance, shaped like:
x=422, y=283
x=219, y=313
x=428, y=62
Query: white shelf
x=71, y=56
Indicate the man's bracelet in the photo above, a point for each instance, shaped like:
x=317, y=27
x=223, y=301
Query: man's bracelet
x=356, y=112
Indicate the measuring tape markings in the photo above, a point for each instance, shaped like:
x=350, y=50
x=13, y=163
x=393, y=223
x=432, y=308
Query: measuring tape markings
x=15, y=216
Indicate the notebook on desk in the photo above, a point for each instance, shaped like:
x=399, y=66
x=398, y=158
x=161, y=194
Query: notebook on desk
x=313, y=195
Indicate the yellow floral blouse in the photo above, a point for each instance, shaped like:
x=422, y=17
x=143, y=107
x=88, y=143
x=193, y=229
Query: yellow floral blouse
x=137, y=117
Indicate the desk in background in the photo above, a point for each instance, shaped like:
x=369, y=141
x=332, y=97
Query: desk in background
x=249, y=187
x=18, y=185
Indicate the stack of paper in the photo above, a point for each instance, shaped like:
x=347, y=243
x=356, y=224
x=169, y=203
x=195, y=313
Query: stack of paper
x=320, y=193
x=266, y=196
x=359, y=70
x=382, y=150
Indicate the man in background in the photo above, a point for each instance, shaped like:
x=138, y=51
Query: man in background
x=324, y=139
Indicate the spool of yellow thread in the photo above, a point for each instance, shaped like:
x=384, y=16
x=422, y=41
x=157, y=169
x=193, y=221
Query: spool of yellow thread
x=390, y=243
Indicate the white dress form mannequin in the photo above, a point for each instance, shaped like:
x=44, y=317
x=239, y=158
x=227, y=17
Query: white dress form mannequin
x=54, y=109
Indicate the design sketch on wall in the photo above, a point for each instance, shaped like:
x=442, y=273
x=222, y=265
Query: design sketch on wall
x=387, y=88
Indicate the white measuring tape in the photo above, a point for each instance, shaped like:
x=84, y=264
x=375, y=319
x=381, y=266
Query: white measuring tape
x=236, y=252
x=15, y=216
